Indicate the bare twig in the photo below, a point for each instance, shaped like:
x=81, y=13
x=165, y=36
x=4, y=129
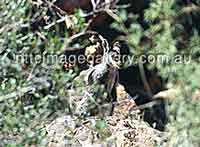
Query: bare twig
x=57, y=22
x=31, y=73
x=41, y=36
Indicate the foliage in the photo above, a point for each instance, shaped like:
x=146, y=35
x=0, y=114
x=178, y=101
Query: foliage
x=170, y=31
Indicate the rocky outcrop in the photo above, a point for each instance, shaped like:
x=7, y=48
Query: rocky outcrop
x=122, y=129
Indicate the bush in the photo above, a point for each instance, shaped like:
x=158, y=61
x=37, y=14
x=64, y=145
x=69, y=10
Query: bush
x=32, y=94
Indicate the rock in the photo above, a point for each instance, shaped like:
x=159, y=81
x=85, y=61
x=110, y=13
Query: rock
x=114, y=131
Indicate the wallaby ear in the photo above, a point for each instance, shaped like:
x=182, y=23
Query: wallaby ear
x=116, y=46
